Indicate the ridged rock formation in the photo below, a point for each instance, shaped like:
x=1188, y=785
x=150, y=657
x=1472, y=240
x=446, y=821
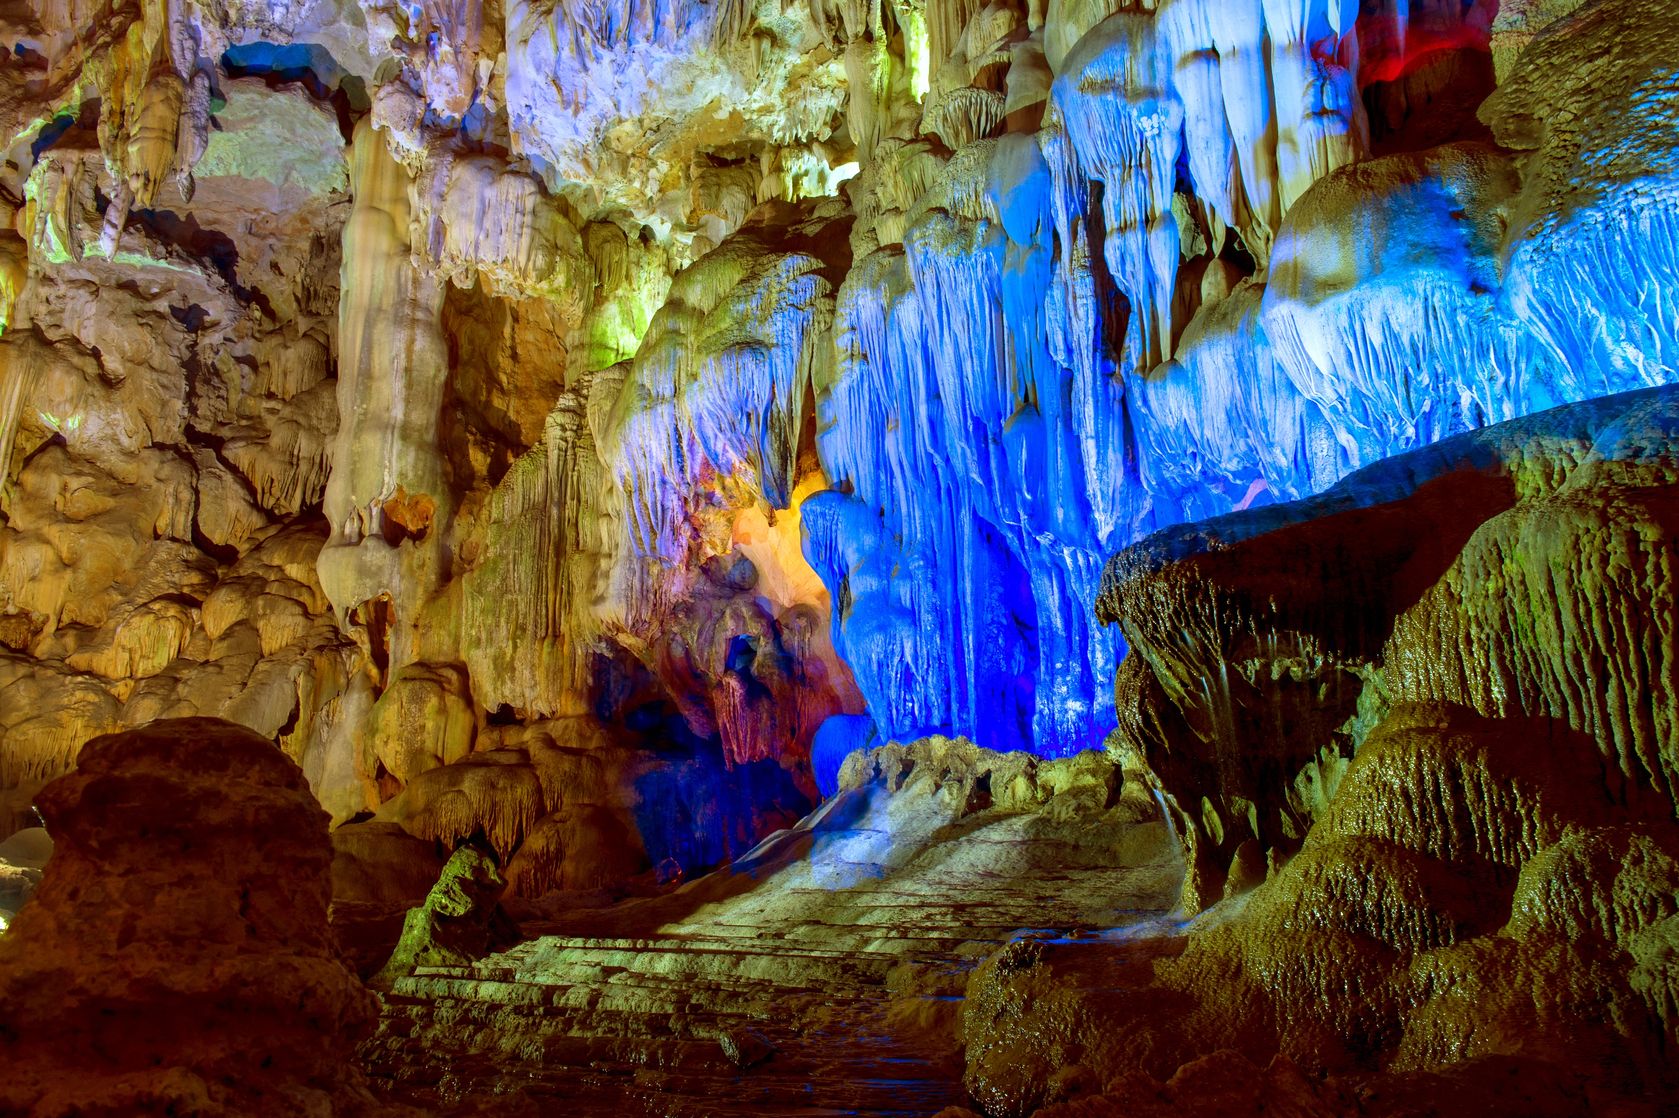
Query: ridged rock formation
x=1498, y=570
x=1476, y=925
x=176, y=958
x=1449, y=864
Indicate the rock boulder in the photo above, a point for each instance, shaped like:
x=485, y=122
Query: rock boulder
x=176, y=957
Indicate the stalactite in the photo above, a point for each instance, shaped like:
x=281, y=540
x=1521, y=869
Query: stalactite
x=494, y=794
x=970, y=294
x=1417, y=353
x=1589, y=268
x=387, y=500
x=1126, y=125
x=718, y=387
x=526, y=599
x=1223, y=426
x=959, y=451
x=1313, y=63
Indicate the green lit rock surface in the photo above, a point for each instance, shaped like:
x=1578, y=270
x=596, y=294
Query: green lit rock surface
x=1500, y=571
x=288, y=140
x=572, y=429
x=458, y=922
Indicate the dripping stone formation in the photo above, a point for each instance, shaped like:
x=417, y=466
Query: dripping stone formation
x=961, y=558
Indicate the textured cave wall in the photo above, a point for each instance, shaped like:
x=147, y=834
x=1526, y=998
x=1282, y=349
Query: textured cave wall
x=545, y=419
x=169, y=446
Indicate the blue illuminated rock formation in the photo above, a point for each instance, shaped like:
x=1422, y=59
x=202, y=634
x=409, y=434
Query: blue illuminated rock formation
x=1134, y=318
x=975, y=522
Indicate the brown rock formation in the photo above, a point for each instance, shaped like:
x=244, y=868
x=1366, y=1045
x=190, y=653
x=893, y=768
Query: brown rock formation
x=176, y=958
x=1474, y=912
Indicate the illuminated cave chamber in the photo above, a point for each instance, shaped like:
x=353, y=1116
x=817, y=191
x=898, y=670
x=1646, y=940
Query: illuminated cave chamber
x=594, y=436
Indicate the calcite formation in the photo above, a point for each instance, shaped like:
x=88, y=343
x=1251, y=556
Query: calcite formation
x=570, y=430
x=1495, y=570
x=1475, y=916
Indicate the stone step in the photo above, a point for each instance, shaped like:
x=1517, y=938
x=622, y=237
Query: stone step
x=721, y=967
x=576, y=966
x=761, y=1002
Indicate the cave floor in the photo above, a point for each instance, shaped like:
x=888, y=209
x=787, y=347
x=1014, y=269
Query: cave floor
x=823, y=974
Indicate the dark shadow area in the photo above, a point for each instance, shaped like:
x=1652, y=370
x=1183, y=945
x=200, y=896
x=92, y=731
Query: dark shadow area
x=309, y=65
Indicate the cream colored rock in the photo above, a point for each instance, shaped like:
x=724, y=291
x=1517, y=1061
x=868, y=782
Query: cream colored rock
x=14, y=271
x=537, y=570
x=494, y=793
x=228, y=516
x=507, y=460
x=387, y=499
x=475, y=220
x=424, y=719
